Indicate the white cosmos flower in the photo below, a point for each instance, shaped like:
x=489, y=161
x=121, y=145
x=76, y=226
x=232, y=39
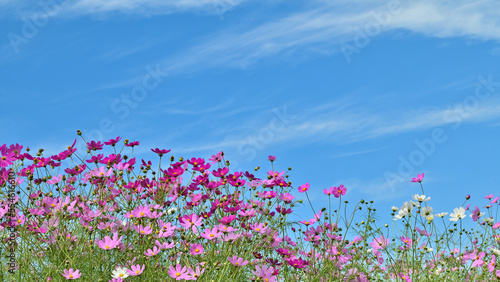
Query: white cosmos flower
x=496, y=251
x=441, y=214
x=425, y=211
x=488, y=219
x=120, y=273
x=421, y=198
x=457, y=214
x=404, y=211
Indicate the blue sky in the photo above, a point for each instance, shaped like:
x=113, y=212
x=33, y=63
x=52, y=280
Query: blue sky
x=341, y=91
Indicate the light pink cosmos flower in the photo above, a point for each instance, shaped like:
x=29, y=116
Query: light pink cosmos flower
x=153, y=252
x=55, y=179
x=101, y=172
x=419, y=178
x=478, y=260
x=191, y=221
x=237, y=261
x=165, y=245
x=211, y=234
x=265, y=272
x=136, y=270
x=71, y=274
x=143, y=230
x=107, y=243
x=379, y=243
x=178, y=272
x=192, y=274
x=258, y=227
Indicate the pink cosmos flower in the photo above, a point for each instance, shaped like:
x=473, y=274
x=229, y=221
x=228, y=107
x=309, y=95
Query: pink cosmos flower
x=303, y=188
x=178, y=272
x=71, y=274
x=419, y=178
x=406, y=240
x=491, y=265
x=7, y=157
x=136, y=270
x=272, y=158
x=196, y=249
x=286, y=197
x=476, y=213
x=237, y=261
x=328, y=191
x=141, y=211
x=216, y=158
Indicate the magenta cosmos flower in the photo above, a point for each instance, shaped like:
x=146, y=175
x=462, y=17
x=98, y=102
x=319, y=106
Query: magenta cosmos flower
x=160, y=152
x=303, y=188
x=92, y=145
x=272, y=158
x=71, y=274
x=419, y=178
x=113, y=142
x=339, y=191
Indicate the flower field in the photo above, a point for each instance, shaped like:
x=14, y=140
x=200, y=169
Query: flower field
x=109, y=217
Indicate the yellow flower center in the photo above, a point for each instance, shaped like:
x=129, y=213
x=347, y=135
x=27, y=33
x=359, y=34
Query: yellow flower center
x=178, y=274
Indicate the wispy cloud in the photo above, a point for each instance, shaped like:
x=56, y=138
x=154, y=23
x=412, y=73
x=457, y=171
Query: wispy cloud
x=330, y=25
x=344, y=127
x=149, y=7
